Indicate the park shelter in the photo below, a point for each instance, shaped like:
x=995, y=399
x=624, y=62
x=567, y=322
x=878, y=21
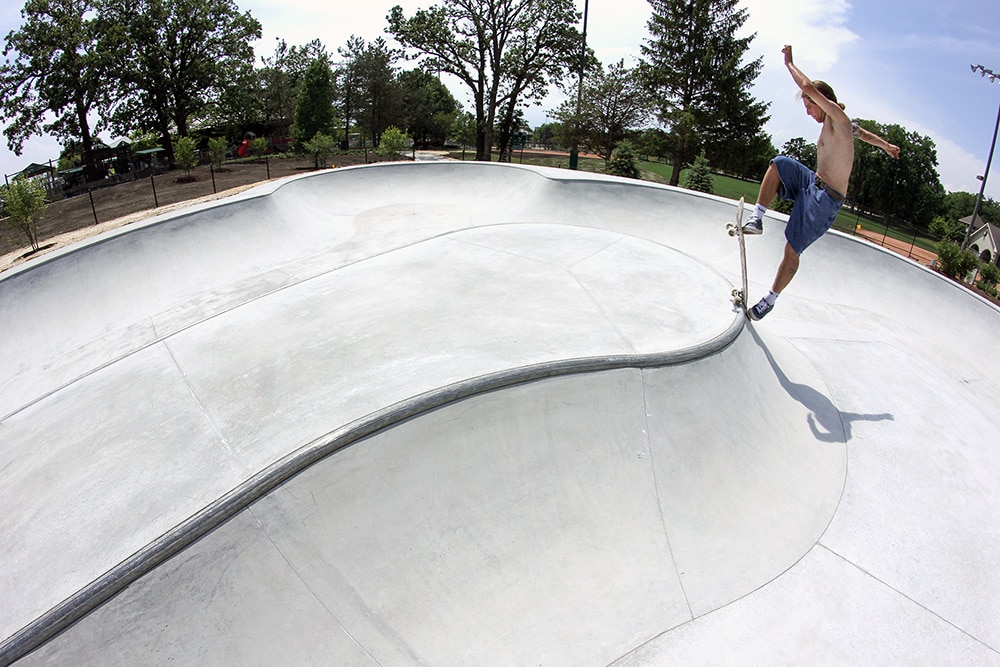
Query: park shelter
x=983, y=240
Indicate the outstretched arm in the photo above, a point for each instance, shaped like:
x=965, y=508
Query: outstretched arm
x=875, y=140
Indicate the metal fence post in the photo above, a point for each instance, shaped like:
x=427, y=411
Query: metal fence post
x=93, y=208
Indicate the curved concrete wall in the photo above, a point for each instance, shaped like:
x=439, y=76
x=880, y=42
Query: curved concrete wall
x=183, y=368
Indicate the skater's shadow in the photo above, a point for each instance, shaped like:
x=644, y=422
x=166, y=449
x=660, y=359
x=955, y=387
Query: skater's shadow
x=827, y=423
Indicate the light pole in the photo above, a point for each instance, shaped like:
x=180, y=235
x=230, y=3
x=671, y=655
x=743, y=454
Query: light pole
x=574, y=152
x=979, y=200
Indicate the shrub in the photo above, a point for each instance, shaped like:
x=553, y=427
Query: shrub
x=623, y=161
x=989, y=276
x=699, y=176
x=258, y=147
x=781, y=206
x=217, y=151
x=947, y=229
x=24, y=202
x=392, y=141
x=185, y=155
x=955, y=262
x=320, y=147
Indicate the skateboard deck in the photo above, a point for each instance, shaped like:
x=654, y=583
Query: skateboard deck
x=736, y=229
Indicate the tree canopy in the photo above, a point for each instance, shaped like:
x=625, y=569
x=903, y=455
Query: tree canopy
x=504, y=51
x=314, y=109
x=178, y=59
x=428, y=109
x=693, y=64
x=611, y=104
x=280, y=80
x=905, y=189
x=60, y=72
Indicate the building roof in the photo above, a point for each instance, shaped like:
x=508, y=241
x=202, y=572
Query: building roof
x=986, y=230
x=34, y=169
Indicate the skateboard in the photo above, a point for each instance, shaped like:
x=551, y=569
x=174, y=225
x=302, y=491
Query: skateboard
x=740, y=295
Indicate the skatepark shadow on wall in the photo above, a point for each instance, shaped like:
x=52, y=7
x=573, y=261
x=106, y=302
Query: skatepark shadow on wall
x=827, y=423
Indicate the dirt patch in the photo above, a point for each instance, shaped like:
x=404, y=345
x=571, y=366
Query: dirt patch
x=908, y=250
x=116, y=204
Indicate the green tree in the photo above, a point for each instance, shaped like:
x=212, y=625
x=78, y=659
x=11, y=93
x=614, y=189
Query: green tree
x=393, y=141
x=955, y=262
x=240, y=104
x=544, y=134
x=321, y=146
x=179, y=58
x=59, y=73
x=314, y=111
x=186, y=155
x=958, y=205
x=943, y=227
x=653, y=142
x=504, y=51
x=217, y=151
x=24, y=202
x=801, y=150
x=544, y=48
x=612, y=103
x=464, y=130
x=905, y=189
x=623, y=161
x=699, y=176
x=259, y=147
x=349, y=91
x=281, y=79
x=693, y=65
x=428, y=108
x=378, y=88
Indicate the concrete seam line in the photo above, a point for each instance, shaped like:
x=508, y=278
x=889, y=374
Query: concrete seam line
x=59, y=618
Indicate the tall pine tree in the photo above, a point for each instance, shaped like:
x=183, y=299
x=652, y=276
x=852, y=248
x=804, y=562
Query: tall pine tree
x=314, y=110
x=692, y=66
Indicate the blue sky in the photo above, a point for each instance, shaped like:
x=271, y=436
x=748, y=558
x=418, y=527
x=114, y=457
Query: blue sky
x=892, y=61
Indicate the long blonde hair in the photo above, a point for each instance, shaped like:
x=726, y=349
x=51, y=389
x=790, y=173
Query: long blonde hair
x=824, y=87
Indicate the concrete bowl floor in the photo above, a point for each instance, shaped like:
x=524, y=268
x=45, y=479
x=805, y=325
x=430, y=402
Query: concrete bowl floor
x=450, y=413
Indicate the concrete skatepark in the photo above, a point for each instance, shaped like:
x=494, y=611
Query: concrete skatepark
x=447, y=413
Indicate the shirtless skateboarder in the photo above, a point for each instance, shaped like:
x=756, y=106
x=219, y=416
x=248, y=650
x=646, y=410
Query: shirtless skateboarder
x=818, y=197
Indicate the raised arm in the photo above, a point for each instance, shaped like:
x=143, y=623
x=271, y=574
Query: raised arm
x=805, y=84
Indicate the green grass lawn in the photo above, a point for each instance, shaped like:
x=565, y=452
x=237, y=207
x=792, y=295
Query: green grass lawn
x=847, y=220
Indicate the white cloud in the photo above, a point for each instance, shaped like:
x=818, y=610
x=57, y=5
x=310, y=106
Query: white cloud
x=817, y=30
